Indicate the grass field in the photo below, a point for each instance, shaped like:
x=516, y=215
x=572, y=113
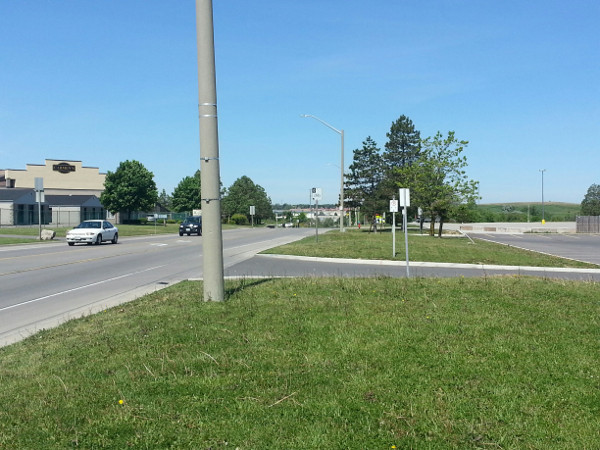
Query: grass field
x=553, y=211
x=377, y=363
x=314, y=364
x=364, y=245
x=124, y=230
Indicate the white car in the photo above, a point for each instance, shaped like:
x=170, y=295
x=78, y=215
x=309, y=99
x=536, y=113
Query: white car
x=93, y=232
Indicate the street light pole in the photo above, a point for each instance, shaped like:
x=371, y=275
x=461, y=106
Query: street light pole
x=209, y=155
x=341, y=133
x=543, y=215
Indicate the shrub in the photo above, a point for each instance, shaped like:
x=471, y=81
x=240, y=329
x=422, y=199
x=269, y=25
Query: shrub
x=239, y=219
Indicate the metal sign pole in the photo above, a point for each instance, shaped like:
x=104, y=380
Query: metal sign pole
x=405, y=202
x=404, y=224
x=317, y=220
x=39, y=194
x=394, y=210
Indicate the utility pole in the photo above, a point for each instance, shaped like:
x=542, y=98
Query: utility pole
x=214, y=288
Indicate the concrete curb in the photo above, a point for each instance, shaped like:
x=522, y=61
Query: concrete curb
x=431, y=264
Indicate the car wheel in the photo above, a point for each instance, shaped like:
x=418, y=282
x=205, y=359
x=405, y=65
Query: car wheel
x=115, y=239
x=99, y=239
x=180, y=233
x=71, y=243
x=189, y=234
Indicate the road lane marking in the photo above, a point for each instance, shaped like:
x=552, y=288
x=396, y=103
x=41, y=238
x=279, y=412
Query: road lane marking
x=80, y=287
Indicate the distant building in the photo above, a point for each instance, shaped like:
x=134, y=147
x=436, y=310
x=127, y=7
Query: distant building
x=71, y=194
x=61, y=177
x=18, y=206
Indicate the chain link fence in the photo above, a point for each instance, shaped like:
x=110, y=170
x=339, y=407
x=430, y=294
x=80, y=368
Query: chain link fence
x=70, y=217
x=55, y=217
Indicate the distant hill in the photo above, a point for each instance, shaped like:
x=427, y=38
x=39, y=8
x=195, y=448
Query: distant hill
x=532, y=211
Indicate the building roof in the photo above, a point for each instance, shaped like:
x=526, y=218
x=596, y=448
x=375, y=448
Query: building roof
x=73, y=200
x=18, y=195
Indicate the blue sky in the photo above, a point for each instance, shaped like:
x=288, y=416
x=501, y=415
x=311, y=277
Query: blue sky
x=106, y=81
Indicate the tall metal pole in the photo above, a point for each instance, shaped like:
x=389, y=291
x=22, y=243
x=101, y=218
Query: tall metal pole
x=342, y=213
x=543, y=215
x=340, y=132
x=214, y=289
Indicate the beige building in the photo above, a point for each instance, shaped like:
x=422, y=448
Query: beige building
x=61, y=177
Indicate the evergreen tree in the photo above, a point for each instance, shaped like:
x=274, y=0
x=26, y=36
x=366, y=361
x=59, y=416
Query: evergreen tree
x=165, y=200
x=403, y=145
x=402, y=149
x=363, y=181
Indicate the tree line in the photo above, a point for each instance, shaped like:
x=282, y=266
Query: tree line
x=131, y=187
x=432, y=168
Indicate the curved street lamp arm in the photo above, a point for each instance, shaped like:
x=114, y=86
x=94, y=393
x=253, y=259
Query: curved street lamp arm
x=323, y=122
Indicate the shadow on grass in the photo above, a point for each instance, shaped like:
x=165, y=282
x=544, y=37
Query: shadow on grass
x=243, y=284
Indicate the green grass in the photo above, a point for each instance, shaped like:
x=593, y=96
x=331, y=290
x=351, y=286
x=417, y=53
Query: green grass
x=124, y=230
x=364, y=245
x=9, y=240
x=317, y=363
x=553, y=211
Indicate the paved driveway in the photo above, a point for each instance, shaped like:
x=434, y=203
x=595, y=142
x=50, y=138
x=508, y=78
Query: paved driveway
x=581, y=247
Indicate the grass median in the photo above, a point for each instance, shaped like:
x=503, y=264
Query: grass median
x=506, y=362
x=451, y=249
x=61, y=232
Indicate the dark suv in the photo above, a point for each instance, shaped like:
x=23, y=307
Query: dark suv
x=191, y=225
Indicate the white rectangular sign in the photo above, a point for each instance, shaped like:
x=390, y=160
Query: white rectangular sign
x=317, y=194
x=252, y=210
x=404, y=197
x=393, y=206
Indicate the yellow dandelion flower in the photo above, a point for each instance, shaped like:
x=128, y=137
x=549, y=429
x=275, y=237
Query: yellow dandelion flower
x=121, y=402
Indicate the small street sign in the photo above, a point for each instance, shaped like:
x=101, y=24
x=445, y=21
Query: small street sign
x=316, y=194
x=404, y=197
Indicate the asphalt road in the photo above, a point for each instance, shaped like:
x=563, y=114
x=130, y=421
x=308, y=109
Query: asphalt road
x=45, y=284
x=42, y=285
x=580, y=247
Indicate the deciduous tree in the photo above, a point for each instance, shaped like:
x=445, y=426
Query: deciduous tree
x=186, y=196
x=437, y=180
x=244, y=193
x=590, y=206
x=130, y=188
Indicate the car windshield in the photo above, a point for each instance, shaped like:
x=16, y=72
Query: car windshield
x=89, y=225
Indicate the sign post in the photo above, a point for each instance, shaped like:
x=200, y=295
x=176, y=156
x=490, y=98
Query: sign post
x=405, y=202
x=316, y=195
x=394, y=210
x=39, y=198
